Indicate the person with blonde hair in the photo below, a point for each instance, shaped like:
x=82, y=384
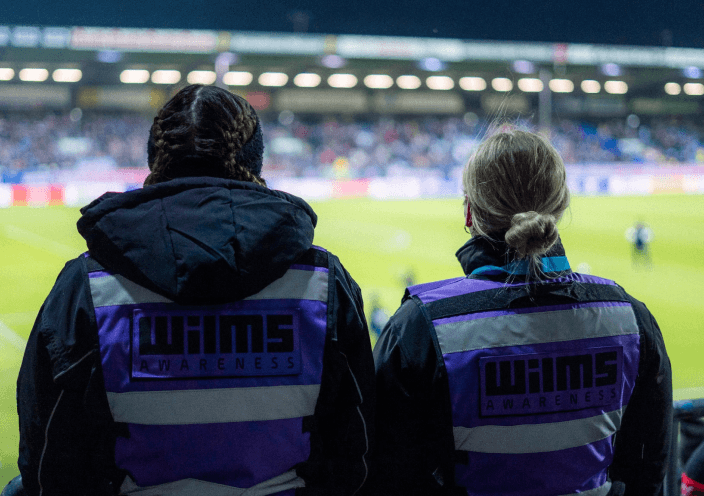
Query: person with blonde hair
x=202, y=345
x=520, y=377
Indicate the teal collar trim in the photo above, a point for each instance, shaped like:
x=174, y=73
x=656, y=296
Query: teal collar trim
x=520, y=267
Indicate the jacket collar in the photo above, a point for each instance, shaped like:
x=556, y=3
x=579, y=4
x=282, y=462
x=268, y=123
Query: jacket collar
x=482, y=256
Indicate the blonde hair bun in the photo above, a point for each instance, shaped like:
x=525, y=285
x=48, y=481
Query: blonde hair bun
x=531, y=233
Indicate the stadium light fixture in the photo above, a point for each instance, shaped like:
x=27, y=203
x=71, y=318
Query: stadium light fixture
x=432, y=64
x=469, y=83
x=6, y=74
x=530, y=85
x=307, y=80
x=67, y=75
x=166, y=77
x=590, y=86
x=673, y=88
x=692, y=72
x=333, y=61
x=408, y=82
x=134, y=76
x=273, y=79
x=613, y=70
x=109, y=56
x=694, y=89
x=201, y=77
x=523, y=67
x=378, y=81
x=237, y=78
x=561, y=86
x=502, y=84
x=616, y=87
x=342, y=80
x=440, y=83
x=34, y=74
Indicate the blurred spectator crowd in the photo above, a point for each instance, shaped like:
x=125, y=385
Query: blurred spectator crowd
x=338, y=147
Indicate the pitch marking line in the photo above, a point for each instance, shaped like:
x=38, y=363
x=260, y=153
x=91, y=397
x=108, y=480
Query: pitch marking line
x=38, y=241
x=12, y=337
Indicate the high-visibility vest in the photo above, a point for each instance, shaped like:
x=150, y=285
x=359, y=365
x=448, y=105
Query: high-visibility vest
x=539, y=378
x=213, y=396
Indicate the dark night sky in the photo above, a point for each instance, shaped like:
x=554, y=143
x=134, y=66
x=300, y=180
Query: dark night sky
x=643, y=22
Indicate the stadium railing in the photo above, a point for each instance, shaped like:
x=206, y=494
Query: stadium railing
x=683, y=410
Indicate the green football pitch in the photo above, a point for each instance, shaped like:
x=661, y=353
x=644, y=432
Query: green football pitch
x=380, y=242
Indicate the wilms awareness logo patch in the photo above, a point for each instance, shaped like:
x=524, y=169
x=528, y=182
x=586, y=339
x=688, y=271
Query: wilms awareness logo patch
x=179, y=345
x=550, y=382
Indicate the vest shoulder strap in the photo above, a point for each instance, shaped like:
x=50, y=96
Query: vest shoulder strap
x=530, y=295
x=92, y=264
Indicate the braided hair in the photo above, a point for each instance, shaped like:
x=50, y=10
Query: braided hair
x=205, y=131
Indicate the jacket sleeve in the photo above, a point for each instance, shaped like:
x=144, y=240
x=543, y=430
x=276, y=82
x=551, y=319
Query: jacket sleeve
x=414, y=445
x=642, y=444
x=62, y=430
x=342, y=427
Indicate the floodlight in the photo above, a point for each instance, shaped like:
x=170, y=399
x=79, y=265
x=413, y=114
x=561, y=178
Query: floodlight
x=408, y=82
x=590, y=86
x=34, y=74
x=378, y=81
x=694, y=89
x=342, y=80
x=6, y=73
x=307, y=80
x=673, y=88
x=530, y=85
x=440, y=83
x=201, y=77
x=502, y=84
x=616, y=87
x=561, y=85
x=67, y=75
x=166, y=77
x=134, y=76
x=237, y=78
x=273, y=79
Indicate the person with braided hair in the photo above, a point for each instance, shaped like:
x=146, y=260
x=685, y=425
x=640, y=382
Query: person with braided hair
x=521, y=377
x=202, y=345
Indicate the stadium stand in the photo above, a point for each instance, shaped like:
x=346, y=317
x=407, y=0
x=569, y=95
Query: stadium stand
x=333, y=147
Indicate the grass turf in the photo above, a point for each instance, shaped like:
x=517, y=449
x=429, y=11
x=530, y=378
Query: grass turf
x=379, y=243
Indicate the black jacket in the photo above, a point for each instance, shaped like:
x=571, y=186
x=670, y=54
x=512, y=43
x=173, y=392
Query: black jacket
x=415, y=445
x=195, y=241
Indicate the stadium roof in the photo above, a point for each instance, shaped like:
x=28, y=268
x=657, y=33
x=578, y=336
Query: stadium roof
x=622, y=22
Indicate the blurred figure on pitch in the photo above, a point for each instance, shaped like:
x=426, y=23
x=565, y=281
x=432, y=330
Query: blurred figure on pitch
x=640, y=236
x=521, y=377
x=202, y=345
x=409, y=278
x=377, y=317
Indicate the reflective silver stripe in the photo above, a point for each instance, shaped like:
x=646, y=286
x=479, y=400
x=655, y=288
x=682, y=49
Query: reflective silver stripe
x=534, y=328
x=207, y=406
x=190, y=487
x=298, y=285
x=537, y=438
x=116, y=290
x=597, y=491
x=294, y=284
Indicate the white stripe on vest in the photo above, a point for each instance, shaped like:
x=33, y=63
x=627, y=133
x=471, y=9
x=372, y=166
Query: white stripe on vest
x=208, y=406
x=294, y=284
x=537, y=438
x=533, y=328
x=191, y=487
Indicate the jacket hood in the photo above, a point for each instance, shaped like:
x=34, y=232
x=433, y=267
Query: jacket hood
x=199, y=240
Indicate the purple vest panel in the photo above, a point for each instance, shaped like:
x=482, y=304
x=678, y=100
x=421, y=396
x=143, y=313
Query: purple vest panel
x=214, y=393
x=537, y=393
